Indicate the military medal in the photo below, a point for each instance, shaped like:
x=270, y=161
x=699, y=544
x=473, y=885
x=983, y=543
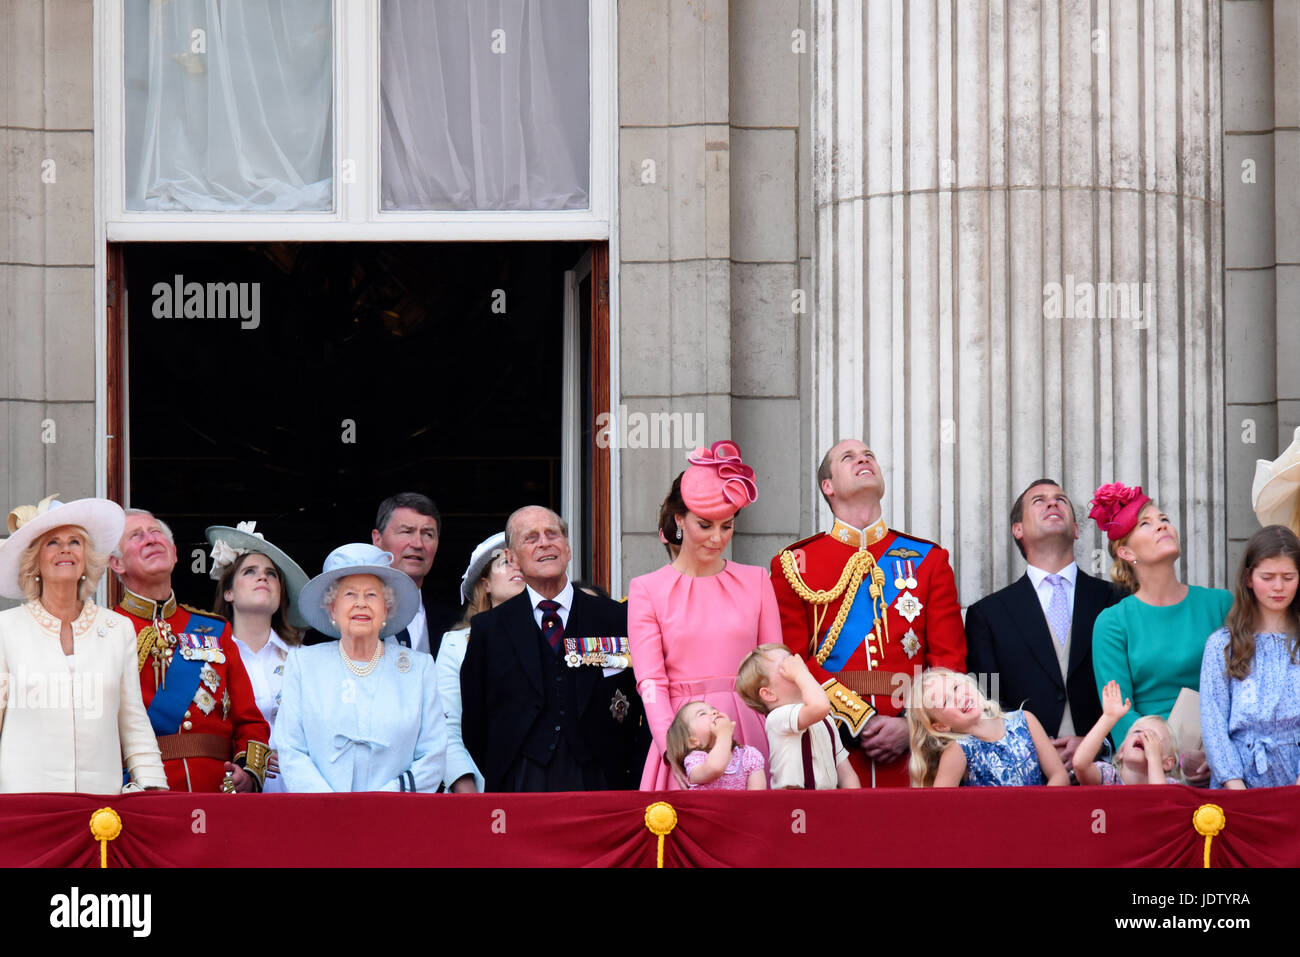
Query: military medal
x=899, y=581
x=204, y=700
x=225, y=705
x=619, y=705
x=210, y=678
x=911, y=643
x=911, y=576
x=909, y=606
x=600, y=651
x=403, y=662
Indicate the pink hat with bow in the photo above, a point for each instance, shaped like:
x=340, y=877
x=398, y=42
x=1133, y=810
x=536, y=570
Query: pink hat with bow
x=1116, y=507
x=717, y=484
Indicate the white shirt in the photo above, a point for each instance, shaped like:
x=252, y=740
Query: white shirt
x=418, y=629
x=785, y=750
x=1043, y=588
x=564, y=599
x=266, y=672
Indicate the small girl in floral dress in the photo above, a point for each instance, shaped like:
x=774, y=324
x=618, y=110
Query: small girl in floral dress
x=704, y=754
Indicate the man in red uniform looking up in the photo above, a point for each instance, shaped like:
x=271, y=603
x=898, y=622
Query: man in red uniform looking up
x=867, y=607
x=194, y=685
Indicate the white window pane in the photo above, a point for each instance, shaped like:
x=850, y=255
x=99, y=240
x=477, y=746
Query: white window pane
x=485, y=104
x=229, y=105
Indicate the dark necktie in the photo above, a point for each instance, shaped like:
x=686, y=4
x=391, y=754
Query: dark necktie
x=552, y=627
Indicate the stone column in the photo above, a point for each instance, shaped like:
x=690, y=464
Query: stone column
x=1019, y=262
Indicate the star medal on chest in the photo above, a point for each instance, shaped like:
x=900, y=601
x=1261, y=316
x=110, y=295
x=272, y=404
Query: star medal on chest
x=911, y=643
x=210, y=678
x=619, y=705
x=403, y=662
x=909, y=606
x=204, y=700
x=225, y=705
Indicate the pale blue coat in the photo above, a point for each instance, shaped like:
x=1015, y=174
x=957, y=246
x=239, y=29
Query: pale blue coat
x=338, y=732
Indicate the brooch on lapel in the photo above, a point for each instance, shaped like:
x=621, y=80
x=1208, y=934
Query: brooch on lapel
x=619, y=705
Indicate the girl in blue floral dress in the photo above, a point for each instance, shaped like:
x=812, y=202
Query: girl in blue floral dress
x=960, y=737
x=1250, y=678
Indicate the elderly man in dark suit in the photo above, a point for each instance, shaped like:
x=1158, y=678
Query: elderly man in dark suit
x=531, y=720
x=1035, y=635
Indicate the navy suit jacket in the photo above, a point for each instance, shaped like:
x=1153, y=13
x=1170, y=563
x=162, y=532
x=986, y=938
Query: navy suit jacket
x=503, y=694
x=1007, y=636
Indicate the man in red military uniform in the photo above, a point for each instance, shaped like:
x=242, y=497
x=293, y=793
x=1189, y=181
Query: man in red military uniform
x=195, y=688
x=868, y=608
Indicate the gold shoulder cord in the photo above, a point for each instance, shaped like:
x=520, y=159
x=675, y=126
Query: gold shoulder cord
x=855, y=569
x=144, y=643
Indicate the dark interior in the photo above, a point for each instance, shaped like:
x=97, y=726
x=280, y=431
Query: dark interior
x=447, y=397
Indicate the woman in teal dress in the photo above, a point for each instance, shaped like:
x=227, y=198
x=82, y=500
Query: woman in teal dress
x=1151, y=642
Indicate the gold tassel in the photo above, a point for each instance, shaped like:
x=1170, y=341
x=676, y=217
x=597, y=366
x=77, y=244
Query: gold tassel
x=1209, y=820
x=105, y=825
x=660, y=819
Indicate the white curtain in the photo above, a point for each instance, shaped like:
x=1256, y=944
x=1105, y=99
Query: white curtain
x=485, y=104
x=229, y=104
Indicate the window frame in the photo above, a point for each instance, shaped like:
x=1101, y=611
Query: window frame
x=357, y=214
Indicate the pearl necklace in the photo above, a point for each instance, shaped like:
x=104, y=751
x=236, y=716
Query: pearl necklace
x=362, y=670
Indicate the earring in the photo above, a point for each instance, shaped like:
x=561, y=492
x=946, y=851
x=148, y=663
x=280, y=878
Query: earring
x=83, y=578
x=679, y=533
x=333, y=623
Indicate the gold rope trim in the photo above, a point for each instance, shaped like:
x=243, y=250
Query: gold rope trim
x=855, y=569
x=144, y=643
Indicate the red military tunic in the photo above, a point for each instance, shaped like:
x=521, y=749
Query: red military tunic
x=223, y=708
x=934, y=637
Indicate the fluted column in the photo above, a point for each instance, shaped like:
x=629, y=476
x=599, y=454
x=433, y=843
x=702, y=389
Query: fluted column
x=1018, y=261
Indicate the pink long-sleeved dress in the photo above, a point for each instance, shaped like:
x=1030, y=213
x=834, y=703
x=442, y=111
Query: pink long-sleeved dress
x=688, y=637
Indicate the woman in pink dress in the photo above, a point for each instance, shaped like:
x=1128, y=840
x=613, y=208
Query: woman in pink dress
x=692, y=622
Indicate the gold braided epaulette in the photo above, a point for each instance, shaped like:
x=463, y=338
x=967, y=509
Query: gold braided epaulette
x=144, y=643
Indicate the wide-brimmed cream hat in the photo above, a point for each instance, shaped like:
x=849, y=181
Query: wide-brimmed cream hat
x=103, y=521
x=1276, y=491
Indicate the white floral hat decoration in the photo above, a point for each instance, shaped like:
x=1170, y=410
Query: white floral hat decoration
x=1275, y=494
x=230, y=543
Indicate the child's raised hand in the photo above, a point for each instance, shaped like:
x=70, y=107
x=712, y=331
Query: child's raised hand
x=723, y=726
x=1113, y=704
x=791, y=667
x=1152, y=747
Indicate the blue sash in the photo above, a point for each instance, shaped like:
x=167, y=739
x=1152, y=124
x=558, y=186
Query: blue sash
x=170, y=703
x=862, y=616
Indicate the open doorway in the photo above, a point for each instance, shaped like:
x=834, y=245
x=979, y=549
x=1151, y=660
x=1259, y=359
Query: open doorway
x=298, y=384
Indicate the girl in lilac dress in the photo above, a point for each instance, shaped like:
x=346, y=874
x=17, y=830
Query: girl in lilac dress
x=702, y=748
x=692, y=622
x=959, y=737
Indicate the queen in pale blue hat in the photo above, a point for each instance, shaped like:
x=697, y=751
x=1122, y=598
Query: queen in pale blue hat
x=360, y=714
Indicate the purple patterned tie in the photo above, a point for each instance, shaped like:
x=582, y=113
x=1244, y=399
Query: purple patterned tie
x=1058, y=609
x=552, y=627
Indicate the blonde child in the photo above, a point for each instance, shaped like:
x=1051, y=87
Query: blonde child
x=802, y=742
x=960, y=737
x=702, y=751
x=1146, y=756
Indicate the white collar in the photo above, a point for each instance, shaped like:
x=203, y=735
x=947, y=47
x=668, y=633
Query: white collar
x=564, y=599
x=274, y=641
x=1036, y=575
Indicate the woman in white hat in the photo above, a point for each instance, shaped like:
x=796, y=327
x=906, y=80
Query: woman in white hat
x=490, y=579
x=362, y=713
x=71, y=715
x=257, y=589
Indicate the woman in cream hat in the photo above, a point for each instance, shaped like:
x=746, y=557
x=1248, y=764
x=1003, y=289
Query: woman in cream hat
x=490, y=579
x=361, y=713
x=70, y=703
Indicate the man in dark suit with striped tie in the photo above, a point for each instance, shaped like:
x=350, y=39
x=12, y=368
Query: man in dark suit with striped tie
x=536, y=717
